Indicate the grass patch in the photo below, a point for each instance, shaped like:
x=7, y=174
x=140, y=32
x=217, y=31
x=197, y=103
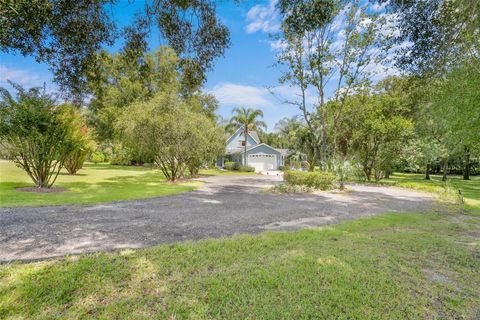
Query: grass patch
x=218, y=172
x=396, y=266
x=449, y=190
x=94, y=183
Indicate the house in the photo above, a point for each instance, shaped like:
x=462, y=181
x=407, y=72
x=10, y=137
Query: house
x=259, y=155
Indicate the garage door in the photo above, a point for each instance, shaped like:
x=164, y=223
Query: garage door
x=262, y=162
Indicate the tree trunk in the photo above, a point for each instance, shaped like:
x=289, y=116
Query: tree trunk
x=427, y=172
x=466, y=164
x=444, y=169
x=387, y=173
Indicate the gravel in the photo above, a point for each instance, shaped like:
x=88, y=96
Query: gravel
x=223, y=206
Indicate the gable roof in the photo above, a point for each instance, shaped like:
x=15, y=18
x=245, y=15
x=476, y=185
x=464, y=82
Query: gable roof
x=252, y=134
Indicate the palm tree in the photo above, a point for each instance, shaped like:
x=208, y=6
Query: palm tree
x=248, y=119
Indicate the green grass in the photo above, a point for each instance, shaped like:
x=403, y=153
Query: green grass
x=95, y=183
x=470, y=188
x=218, y=172
x=396, y=266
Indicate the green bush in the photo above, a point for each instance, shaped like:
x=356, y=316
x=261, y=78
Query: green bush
x=317, y=180
x=228, y=165
x=231, y=165
x=246, y=169
x=98, y=157
x=283, y=168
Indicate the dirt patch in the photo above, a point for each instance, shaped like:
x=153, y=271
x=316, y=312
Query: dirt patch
x=40, y=190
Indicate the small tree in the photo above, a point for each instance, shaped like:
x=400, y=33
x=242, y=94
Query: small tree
x=35, y=133
x=81, y=141
x=167, y=130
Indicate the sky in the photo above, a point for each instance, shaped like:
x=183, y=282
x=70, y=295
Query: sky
x=242, y=77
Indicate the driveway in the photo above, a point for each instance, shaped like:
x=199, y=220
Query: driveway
x=221, y=207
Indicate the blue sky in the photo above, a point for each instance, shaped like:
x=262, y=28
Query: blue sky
x=240, y=78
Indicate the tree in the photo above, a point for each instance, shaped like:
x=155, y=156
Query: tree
x=375, y=128
x=440, y=33
x=36, y=133
x=122, y=79
x=81, y=141
x=324, y=44
x=246, y=119
x=167, y=130
x=67, y=34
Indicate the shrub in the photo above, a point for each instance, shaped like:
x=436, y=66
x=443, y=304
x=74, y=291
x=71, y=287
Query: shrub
x=246, y=169
x=35, y=133
x=317, y=180
x=97, y=157
x=283, y=168
x=228, y=165
x=232, y=165
x=81, y=142
x=121, y=157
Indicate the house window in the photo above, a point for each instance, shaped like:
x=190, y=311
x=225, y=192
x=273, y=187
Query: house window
x=242, y=143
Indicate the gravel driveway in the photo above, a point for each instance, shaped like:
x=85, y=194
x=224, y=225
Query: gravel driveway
x=221, y=207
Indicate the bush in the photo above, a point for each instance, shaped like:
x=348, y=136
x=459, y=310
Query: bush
x=283, y=168
x=35, y=133
x=231, y=165
x=98, y=157
x=246, y=169
x=317, y=180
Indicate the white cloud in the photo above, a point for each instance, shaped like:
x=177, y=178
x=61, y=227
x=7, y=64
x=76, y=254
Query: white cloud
x=265, y=18
x=22, y=77
x=377, y=7
x=233, y=94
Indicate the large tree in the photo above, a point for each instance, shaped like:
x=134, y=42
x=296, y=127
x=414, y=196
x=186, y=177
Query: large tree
x=67, y=34
x=167, y=130
x=247, y=119
x=327, y=43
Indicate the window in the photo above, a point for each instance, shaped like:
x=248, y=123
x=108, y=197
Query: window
x=242, y=143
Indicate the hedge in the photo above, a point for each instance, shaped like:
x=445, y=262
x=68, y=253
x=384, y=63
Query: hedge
x=318, y=180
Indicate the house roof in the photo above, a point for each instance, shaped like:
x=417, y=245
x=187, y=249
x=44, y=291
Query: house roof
x=252, y=134
x=242, y=150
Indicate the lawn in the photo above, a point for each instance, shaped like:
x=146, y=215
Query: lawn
x=395, y=266
x=95, y=183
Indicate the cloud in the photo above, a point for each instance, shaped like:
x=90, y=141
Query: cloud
x=265, y=18
x=23, y=77
x=233, y=94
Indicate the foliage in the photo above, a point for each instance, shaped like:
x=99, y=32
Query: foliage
x=326, y=44
x=67, y=34
x=440, y=34
x=37, y=134
x=81, y=141
x=165, y=129
x=228, y=165
x=316, y=180
x=246, y=119
x=97, y=157
x=246, y=169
